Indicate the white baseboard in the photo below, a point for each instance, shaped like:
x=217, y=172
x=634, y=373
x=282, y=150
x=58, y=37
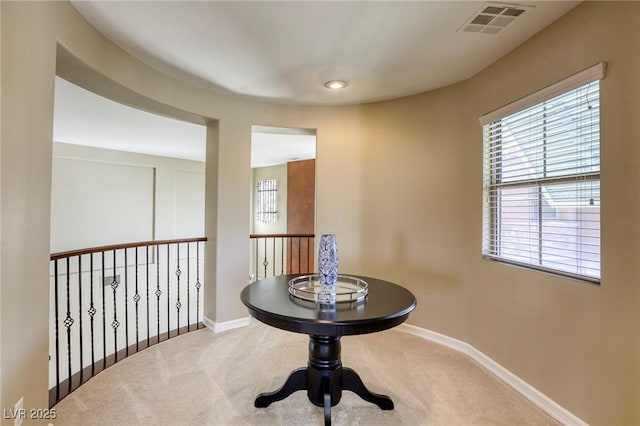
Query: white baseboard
x=219, y=327
x=539, y=399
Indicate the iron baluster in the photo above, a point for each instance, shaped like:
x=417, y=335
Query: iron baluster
x=80, y=315
x=290, y=247
x=92, y=312
x=168, y=295
x=126, y=303
x=68, y=322
x=115, y=323
x=147, y=280
x=198, y=285
x=158, y=292
x=178, y=272
x=188, y=298
x=104, y=320
x=299, y=254
x=76, y=374
x=56, y=308
x=136, y=298
x=281, y=256
x=265, y=263
x=308, y=255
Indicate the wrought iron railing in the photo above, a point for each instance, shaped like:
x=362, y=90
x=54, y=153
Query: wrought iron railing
x=278, y=254
x=112, y=301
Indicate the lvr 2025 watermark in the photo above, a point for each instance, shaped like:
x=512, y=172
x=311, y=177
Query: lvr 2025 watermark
x=32, y=413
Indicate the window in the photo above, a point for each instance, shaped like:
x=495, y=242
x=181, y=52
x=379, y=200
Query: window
x=542, y=179
x=266, y=207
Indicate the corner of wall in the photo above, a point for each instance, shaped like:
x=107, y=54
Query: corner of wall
x=211, y=219
x=219, y=327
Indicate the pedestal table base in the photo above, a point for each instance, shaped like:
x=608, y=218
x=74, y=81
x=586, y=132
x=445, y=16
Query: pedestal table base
x=324, y=379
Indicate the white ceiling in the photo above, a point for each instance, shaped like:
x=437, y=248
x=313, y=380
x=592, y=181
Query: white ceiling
x=284, y=52
x=84, y=118
x=271, y=146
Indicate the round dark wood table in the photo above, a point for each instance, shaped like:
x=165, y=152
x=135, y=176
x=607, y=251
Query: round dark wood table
x=386, y=305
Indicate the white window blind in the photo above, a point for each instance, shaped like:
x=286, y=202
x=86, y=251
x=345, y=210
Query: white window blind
x=542, y=179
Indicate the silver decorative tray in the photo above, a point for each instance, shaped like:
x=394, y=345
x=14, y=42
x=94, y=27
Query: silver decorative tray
x=348, y=289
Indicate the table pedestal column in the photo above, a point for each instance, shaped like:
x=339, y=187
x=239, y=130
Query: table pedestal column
x=324, y=379
x=324, y=371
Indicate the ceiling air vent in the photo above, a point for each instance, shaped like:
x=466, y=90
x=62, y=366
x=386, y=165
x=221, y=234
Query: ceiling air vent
x=493, y=18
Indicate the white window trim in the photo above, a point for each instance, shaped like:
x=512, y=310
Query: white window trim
x=596, y=72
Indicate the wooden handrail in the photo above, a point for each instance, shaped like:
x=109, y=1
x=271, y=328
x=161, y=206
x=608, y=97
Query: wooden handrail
x=76, y=290
x=80, y=252
x=282, y=235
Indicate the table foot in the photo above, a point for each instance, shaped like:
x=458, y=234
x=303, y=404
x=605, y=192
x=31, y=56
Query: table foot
x=296, y=381
x=352, y=382
x=327, y=403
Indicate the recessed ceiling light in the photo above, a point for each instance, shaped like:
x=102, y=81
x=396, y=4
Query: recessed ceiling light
x=335, y=84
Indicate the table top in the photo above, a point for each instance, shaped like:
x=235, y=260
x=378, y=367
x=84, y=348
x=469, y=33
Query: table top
x=386, y=305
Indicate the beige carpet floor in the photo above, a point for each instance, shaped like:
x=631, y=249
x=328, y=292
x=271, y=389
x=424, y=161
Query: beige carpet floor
x=202, y=378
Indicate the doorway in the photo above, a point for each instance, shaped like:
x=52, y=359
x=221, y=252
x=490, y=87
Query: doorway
x=282, y=201
x=127, y=233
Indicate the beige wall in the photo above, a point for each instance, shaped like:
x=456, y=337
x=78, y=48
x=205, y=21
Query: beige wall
x=103, y=196
x=258, y=249
x=399, y=182
x=27, y=112
x=588, y=336
x=211, y=220
x=279, y=173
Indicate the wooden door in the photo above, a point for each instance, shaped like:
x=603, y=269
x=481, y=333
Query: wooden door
x=301, y=205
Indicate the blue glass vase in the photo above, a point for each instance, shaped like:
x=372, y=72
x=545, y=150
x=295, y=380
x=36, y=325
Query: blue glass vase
x=328, y=268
